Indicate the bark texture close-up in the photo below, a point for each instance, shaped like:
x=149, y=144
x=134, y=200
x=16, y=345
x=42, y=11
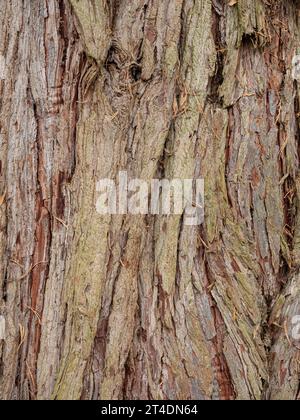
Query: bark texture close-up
x=127, y=307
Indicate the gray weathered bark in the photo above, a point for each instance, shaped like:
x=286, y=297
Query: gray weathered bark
x=127, y=307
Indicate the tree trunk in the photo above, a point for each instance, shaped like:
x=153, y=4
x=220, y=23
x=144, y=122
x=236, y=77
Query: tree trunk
x=145, y=307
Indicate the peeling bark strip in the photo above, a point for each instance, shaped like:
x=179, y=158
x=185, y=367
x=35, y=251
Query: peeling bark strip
x=126, y=307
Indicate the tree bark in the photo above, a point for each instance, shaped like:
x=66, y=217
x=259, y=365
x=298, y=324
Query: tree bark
x=145, y=307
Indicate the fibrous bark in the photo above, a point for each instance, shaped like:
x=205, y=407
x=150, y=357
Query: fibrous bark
x=145, y=307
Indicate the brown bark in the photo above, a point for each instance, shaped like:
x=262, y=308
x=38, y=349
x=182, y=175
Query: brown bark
x=134, y=307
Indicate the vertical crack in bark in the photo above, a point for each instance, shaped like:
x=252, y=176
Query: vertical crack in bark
x=218, y=77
